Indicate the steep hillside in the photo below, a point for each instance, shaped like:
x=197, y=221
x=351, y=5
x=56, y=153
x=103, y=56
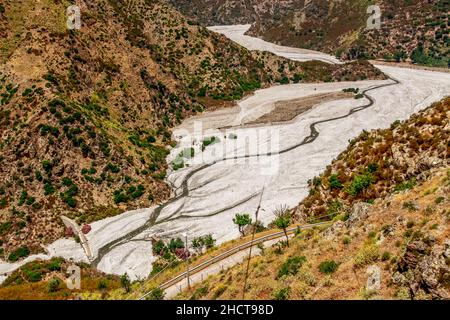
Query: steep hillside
x=391, y=222
x=400, y=236
x=380, y=162
x=45, y=280
x=85, y=115
x=416, y=29
x=402, y=241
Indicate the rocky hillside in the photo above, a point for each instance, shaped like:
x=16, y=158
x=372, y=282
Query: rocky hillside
x=390, y=234
x=416, y=29
x=45, y=280
x=226, y=12
x=380, y=162
x=85, y=115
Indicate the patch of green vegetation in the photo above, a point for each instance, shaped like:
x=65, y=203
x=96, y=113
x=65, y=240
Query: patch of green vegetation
x=360, y=183
x=156, y=294
x=429, y=58
x=386, y=256
x=409, y=205
x=69, y=195
x=282, y=294
x=128, y=194
x=366, y=255
x=334, y=207
x=5, y=227
x=209, y=141
x=19, y=253
x=405, y=185
x=291, y=266
x=334, y=182
x=351, y=90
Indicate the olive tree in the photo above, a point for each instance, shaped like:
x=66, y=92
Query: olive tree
x=242, y=220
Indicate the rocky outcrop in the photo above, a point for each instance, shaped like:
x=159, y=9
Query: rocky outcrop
x=425, y=266
x=359, y=212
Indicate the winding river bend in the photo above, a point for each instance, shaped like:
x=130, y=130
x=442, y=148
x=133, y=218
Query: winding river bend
x=228, y=176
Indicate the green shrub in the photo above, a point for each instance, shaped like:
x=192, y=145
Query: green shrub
x=328, y=266
x=439, y=200
x=334, y=182
x=175, y=244
x=156, y=294
x=21, y=252
x=209, y=141
x=48, y=189
x=385, y=256
x=47, y=165
x=55, y=264
x=3, y=202
x=409, y=205
x=406, y=185
x=102, y=284
x=33, y=275
x=291, y=266
x=125, y=282
x=5, y=227
x=53, y=285
x=199, y=293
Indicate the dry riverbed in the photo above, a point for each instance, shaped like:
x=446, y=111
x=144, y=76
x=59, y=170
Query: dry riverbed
x=209, y=190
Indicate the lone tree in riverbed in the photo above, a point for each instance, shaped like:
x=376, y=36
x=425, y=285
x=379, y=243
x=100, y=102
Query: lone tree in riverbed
x=283, y=220
x=242, y=220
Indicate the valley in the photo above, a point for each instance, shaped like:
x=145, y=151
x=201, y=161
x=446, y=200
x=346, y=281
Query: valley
x=225, y=170
x=164, y=135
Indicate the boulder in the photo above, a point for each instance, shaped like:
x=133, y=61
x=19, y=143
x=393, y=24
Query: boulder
x=359, y=212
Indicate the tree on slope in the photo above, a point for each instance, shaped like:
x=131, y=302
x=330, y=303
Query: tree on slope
x=242, y=220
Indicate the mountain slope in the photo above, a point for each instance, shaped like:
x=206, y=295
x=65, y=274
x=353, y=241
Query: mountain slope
x=416, y=29
x=85, y=115
x=400, y=237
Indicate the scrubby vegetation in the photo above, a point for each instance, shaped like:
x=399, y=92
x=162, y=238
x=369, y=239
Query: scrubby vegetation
x=46, y=280
x=370, y=231
x=85, y=124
